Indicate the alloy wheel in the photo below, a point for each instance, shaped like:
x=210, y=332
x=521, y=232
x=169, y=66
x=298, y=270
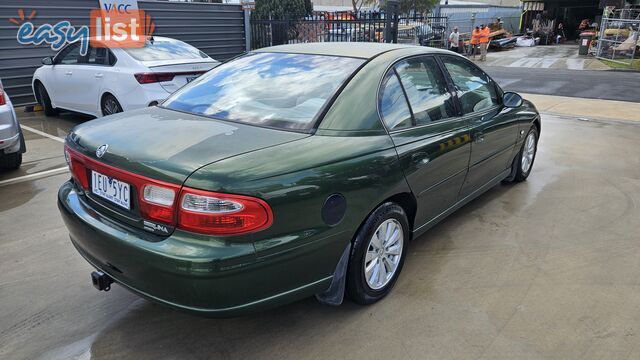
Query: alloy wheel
x=528, y=152
x=383, y=254
x=110, y=106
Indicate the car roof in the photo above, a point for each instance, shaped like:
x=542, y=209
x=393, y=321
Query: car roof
x=361, y=50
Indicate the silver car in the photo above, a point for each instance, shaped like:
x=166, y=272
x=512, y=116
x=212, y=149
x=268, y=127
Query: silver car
x=12, y=144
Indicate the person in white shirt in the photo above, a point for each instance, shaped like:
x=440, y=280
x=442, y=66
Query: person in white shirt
x=454, y=40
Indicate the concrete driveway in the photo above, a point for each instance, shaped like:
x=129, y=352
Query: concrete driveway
x=544, y=269
x=562, y=57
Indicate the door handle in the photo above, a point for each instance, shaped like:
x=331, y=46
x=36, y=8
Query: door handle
x=69, y=73
x=479, y=137
x=420, y=158
x=99, y=75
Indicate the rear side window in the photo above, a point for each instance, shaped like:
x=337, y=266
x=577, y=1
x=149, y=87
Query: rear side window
x=159, y=50
x=475, y=89
x=96, y=56
x=426, y=89
x=277, y=90
x=393, y=104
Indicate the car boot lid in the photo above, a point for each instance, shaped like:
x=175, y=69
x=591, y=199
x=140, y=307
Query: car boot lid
x=168, y=145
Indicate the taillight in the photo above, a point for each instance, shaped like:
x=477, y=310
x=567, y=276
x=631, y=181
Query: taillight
x=222, y=214
x=3, y=100
x=149, y=78
x=77, y=168
x=157, y=203
x=154, y=77
x=158, y=195
x=194, y=210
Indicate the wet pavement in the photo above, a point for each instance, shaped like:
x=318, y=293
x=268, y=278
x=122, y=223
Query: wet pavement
x=543, y=269
x=610, y=85
x=563, y=57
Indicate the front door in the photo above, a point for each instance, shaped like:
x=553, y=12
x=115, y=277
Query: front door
x=493, y=131
x=433, y=144
x=61, y=87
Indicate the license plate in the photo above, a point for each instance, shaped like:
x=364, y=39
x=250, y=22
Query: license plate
x=191, y=78
x=108, y=188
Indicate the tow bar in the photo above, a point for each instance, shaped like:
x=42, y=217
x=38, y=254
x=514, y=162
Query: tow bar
x=101, y=281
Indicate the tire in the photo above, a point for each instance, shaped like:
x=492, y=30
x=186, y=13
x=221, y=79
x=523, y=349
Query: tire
x=110, y=105
x=366, y=287
x=523, y=163
x=45, y=101
x=10, y=161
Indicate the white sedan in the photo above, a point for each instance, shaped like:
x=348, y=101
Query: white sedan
x=110, y=80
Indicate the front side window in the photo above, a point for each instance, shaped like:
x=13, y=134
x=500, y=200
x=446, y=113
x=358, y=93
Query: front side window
x=475, y=90
x=278, y=90
x=393, y=104
x=426, y=89
x=159, y=50
x=70, y=55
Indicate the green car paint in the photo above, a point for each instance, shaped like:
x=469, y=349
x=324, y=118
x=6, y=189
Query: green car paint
x=429, y=170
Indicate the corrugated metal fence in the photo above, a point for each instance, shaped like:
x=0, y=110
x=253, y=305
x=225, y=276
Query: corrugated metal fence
x=216, y=29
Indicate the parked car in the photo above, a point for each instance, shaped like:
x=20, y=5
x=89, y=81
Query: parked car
x=290, y=171
x=12, y=144
x=109, y=80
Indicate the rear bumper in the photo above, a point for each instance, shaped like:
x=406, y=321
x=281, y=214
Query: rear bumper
x=212, y=278
x=143, y=96
x=9, y=130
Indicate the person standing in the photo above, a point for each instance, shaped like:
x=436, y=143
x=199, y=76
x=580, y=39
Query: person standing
x=484, y=41
x=454, y=40
x=475, y=40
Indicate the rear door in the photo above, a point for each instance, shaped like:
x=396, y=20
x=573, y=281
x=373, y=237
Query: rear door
x=432, y=141
x=87, y=80
x=493, y=132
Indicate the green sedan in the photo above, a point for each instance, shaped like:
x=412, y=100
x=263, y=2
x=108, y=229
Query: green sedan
x=288, y=172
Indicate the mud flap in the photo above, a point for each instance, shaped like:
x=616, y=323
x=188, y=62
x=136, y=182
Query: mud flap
x=23, y=144
x=514, y=169
x=334, y=295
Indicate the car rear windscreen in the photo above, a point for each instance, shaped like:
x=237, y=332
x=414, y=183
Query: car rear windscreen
x=277, y=90
x=159, y=50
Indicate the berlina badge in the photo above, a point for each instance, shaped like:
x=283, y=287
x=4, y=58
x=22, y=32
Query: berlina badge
x=102, y=150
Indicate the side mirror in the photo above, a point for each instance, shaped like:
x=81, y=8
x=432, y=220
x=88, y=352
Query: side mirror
x=47, y=61
x=512, y=100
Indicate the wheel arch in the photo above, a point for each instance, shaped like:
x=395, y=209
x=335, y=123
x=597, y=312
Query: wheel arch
x=106, y=92
x=538, y=124
x=406, y=200
x=334, y=295
x=36, y=94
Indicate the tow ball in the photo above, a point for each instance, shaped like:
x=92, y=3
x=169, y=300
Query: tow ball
x=101, y=281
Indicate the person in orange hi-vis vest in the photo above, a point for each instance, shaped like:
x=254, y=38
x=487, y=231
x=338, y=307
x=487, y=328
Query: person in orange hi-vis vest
x=484, y=41
x=475, y=40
